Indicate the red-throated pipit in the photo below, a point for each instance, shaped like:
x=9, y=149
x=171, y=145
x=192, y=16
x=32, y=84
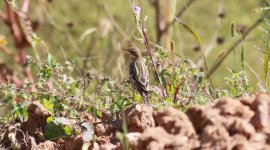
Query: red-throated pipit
x=138, y=73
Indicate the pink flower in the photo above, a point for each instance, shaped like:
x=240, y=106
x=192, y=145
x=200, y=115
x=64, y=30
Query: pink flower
x=137, y=10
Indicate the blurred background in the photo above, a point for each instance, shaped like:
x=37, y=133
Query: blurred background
x=93, y=33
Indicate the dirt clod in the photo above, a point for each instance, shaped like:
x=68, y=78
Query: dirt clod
x=74, y=143
x=86, y=117
x=139, y=118
x=200, y=117
x=37, y=120
x=231, y=107
x=243, y=127
x=261, y=107
x=215, y=136
x=174, y=122
x=102, y=129
x=149, y=140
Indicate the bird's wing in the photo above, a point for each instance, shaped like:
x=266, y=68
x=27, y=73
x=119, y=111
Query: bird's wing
x=139, y=76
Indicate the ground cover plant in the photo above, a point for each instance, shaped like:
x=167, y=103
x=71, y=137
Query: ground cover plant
x=51, y=100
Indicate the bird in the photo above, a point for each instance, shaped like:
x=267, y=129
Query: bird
x=138, y=73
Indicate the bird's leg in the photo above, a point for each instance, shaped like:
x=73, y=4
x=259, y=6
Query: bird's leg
x=133, y=95
x=145, y=100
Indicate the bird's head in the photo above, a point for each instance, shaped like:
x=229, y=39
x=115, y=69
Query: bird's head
x=134, y=52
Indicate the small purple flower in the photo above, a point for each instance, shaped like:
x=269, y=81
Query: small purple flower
x=137, y=10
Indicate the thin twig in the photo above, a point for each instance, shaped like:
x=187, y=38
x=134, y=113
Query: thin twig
x=177, y=91
x=221, y=59
x=152, y=60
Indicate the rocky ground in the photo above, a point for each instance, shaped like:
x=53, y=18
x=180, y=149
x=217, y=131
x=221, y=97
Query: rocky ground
x=237, y=124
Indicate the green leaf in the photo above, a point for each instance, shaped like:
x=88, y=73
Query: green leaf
x=163, y=74
x=99, y=113
x=20, y=111
x=54, y=131
x=50, y=119
x=46, y=72
x=59, y=127
x=48, y=104
x=68, y=130
x=168, y=100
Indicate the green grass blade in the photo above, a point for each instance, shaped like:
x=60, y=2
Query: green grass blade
x=266, y=63
x=198, y=39
x=232, y=30
x=190, y=30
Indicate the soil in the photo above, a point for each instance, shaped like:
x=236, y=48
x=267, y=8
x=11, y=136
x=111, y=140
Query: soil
x=225, y=124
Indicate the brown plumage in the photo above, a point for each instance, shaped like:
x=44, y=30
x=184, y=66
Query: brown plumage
x=138, y=73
